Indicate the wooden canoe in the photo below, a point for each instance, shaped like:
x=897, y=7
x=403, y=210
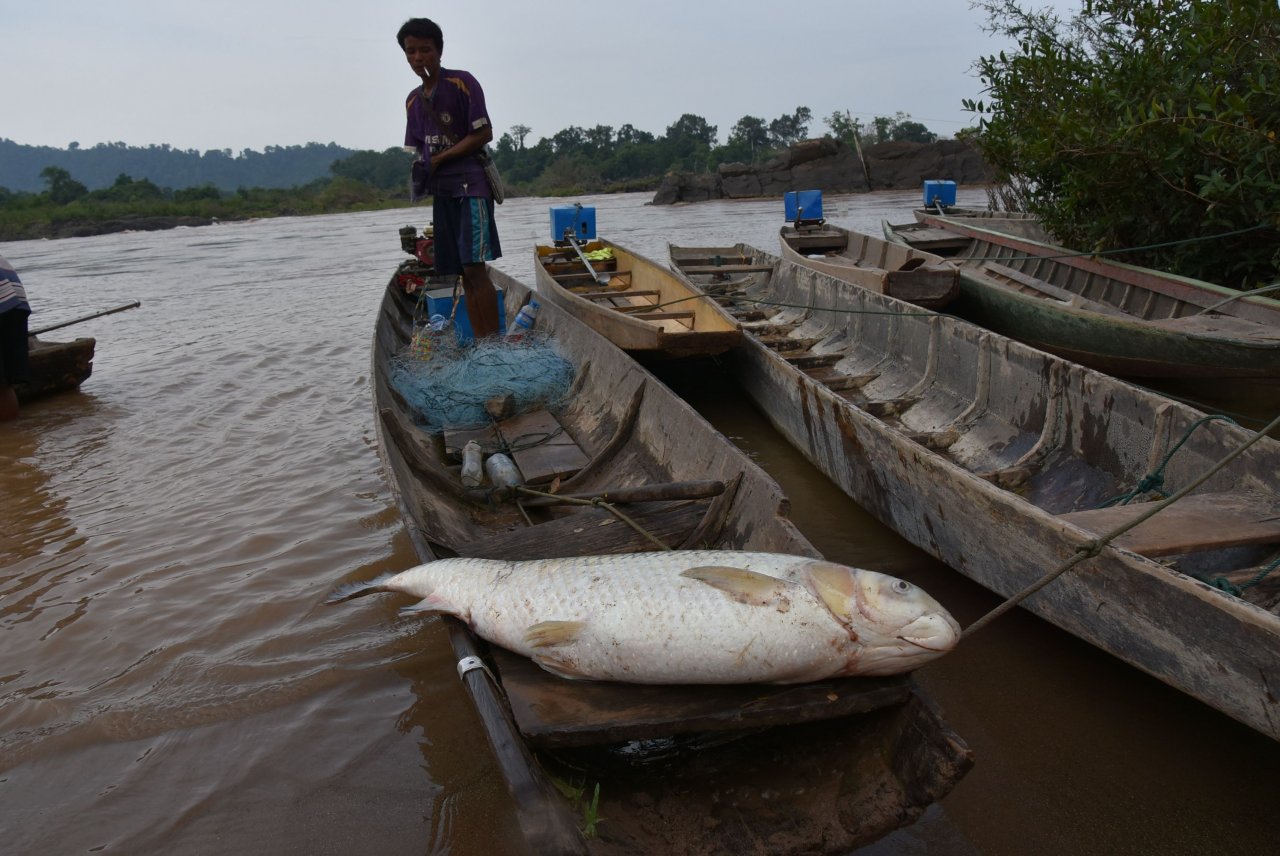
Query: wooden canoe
x=876, y=264
x=1117, y=318
x=998, y=459
x=635, y=303
x=56, y=367
x=879, y=744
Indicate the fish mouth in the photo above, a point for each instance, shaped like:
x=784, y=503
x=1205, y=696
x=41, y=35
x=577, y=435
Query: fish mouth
x=934, y=633
x=938, y=648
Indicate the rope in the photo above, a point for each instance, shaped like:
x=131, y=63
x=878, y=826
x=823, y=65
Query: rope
x=1154, y=480
x=598, y=503
x=1094, y=546
x=1159, y=246
x=1224, y=584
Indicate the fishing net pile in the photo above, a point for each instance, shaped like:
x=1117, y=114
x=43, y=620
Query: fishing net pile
x=448, y=386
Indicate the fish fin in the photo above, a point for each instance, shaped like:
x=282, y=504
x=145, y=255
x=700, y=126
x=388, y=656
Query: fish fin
x=742, y=585
x=837, y=585
x=349, y=590
x=545, y=634
x=430, y=603
x=561, y=667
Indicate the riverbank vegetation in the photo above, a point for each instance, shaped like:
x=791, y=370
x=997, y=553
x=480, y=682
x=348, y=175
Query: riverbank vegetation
x=1143, y=124
x=570, y=162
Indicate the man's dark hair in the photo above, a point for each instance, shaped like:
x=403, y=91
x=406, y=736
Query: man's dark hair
x=421, y=28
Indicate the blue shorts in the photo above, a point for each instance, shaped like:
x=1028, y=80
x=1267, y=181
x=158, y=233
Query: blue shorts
x=465, y=233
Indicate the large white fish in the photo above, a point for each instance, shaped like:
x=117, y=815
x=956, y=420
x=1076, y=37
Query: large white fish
x=686, y=616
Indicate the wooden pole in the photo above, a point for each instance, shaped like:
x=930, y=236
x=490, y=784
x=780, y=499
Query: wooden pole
x=134, y=305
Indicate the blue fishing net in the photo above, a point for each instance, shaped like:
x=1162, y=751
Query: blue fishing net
x=447, y=385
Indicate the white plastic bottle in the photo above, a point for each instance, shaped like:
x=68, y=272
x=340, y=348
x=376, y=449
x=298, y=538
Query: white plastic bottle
x=472, y=474
x=524, y=320
x=502, y=470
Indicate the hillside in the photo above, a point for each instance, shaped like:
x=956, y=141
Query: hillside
x=99, y=166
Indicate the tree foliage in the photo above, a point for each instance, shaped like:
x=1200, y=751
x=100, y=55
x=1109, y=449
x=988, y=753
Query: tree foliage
x=1144, y=123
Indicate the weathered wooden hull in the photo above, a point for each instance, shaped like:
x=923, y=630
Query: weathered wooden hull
x=875, y=264
x=888, y=744
x=681, y=323
x=1113, y=317
x=990, y=455
x=56, y=367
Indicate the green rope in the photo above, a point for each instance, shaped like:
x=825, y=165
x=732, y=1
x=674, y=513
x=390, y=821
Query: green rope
x=1224, y=584
x=1154, y=480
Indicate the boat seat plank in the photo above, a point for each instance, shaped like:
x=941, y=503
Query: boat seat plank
x=729, y=268
x=554, y=712
x=456, y=438
x=1207, y=521
x=659, y=316
x=601, y=295
x=540, y=447
x=716, y=261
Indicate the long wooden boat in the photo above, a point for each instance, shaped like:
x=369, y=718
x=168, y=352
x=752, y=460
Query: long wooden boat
x=818, y=768
x=877, y=264
x=56, y=367
x=1117, y=318
x=999, y=459
x=636, y=303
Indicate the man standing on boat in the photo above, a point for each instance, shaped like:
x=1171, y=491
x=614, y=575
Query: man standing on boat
x=448, y=126
x=14, y=368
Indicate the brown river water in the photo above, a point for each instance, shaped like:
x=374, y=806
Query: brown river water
x=171, y=683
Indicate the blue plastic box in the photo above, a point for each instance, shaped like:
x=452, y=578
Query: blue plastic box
x=580, y=219
x=803, y=205
x=439, y=301
x=939, y=191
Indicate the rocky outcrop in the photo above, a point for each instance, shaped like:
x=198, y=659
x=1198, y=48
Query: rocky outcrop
x=829, y=165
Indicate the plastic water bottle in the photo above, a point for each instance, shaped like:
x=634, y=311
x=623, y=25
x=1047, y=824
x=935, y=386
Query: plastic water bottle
x=472, y=475
x=501, y=470
x=525, y=319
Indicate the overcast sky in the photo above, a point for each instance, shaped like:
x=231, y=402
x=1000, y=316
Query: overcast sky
x=237, y=74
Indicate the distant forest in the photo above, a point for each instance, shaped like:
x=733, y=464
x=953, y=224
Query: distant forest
x=590, y=157
x=47, y=191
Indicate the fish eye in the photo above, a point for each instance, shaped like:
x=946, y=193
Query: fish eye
x=901, y=586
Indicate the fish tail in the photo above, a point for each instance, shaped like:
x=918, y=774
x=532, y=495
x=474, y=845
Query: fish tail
x=349, y=590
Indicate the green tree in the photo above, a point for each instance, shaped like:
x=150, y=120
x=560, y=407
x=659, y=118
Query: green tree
x=1137, y=123
x=688, y=141
x=844, y=126
x=63, y=189
x=518, y=134
x=748, y=139
x=788, y=130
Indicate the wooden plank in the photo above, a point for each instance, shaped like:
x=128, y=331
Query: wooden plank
x=1207, y=521
x=695, y=261
x=456, y=438
x=553, y=712
x=540, y=447
x=598, y=295
x=659, y=316
x=746, y=268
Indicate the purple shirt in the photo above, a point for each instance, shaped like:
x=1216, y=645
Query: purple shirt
x=459, y=102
